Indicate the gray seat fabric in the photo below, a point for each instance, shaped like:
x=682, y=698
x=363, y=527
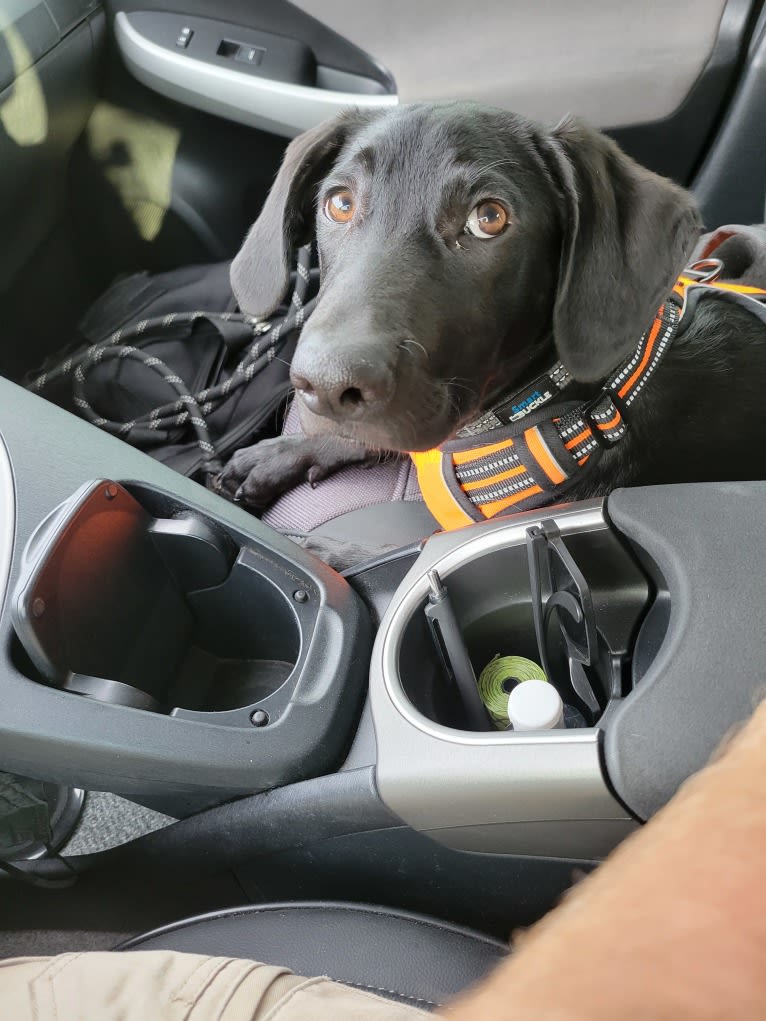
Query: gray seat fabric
x=330, y=507
x=406, y=957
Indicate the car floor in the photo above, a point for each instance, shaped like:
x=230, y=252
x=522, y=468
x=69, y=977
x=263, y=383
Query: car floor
x=102, y=908
x=108, y=821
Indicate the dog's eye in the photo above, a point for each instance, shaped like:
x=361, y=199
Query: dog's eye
x=339, y=206
x=487, y=220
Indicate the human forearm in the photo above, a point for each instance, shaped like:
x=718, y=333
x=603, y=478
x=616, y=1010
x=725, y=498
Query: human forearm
x=673, y=925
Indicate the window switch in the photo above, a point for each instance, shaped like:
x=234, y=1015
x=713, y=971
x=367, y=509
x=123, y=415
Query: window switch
x=252, y=55
x=184, y=38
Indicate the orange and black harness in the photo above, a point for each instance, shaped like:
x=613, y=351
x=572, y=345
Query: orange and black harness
x=529, y=449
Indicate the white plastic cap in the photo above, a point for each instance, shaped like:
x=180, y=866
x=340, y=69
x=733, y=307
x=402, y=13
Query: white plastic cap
x=535, y=705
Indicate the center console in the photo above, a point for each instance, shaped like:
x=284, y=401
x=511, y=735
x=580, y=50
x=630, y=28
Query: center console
x=157, y=641
x=490, y=790
x=161, y=643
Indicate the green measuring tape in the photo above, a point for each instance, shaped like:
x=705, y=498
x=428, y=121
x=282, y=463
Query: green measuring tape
x=497, y=679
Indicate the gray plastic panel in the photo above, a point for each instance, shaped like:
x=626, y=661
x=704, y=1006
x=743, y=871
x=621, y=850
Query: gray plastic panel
x=7, y=521
x=229, y=46
x=181, y=764
x=279, y=16
x=707, y=543
x=495, y=792
x=332, y=837
x=280, y=107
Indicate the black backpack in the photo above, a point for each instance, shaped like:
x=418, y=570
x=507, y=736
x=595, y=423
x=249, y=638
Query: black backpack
x=167, y=363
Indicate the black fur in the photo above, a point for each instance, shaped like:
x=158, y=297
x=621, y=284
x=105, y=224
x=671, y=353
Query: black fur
x=425, y=326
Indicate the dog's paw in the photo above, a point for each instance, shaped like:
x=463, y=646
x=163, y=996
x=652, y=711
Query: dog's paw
x=257, y=475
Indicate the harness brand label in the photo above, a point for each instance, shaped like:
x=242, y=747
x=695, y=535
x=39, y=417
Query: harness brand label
x=528, y=405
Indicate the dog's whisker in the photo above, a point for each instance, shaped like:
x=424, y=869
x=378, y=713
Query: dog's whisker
x=404, y=345
x=454, y=382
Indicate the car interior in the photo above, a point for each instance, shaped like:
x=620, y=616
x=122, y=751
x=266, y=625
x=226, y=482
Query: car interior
x=210, y=740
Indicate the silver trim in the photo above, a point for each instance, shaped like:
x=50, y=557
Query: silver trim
x=407, y=600
x=496, y=792
x=7, y=520
x=278, y=107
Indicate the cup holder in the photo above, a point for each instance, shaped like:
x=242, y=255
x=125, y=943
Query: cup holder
x=162, y=614
x=242, y=646
x=494, y=608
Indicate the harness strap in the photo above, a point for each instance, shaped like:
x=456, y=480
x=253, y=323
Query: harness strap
x=522, y=403
x=527, y=451
x=684, y=283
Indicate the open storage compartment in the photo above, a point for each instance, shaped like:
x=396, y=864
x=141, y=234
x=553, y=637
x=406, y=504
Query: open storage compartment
x=538, y=791
x=184, y=653
x=165, y=614
x=492, y=597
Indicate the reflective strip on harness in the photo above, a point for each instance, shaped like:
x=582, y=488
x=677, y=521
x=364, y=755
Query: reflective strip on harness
x=495, y=507
x=542, y=454
x=640, y=367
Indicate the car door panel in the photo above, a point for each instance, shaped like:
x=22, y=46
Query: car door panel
x=731, y=181
x=615, y=64
x=47, y=88
x=331, y=49
x=156, y=184
x=192, y=198
x=49, y=79
x=255, y=78
x=654, y=75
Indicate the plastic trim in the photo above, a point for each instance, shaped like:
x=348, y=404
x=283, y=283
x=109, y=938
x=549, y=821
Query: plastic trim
x=703, y=544
x=542, y=794
x=7, y=520
x=279, y=107
x=136, y=942
x=177, y=764
x=407, y=600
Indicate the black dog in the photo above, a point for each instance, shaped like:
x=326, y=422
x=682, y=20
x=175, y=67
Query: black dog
x=463, y=250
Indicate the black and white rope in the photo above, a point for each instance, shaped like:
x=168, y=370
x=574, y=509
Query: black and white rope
x=187, y=410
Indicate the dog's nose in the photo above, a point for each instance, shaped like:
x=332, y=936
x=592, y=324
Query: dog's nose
x=342, y=389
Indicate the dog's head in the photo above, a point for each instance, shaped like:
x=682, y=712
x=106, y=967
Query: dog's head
x=458, y=245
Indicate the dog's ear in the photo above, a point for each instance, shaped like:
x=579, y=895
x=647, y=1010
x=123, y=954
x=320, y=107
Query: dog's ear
x=261, y=270
x=627, y=233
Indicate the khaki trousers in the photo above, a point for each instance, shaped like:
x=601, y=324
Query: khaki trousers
x=163, y=985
